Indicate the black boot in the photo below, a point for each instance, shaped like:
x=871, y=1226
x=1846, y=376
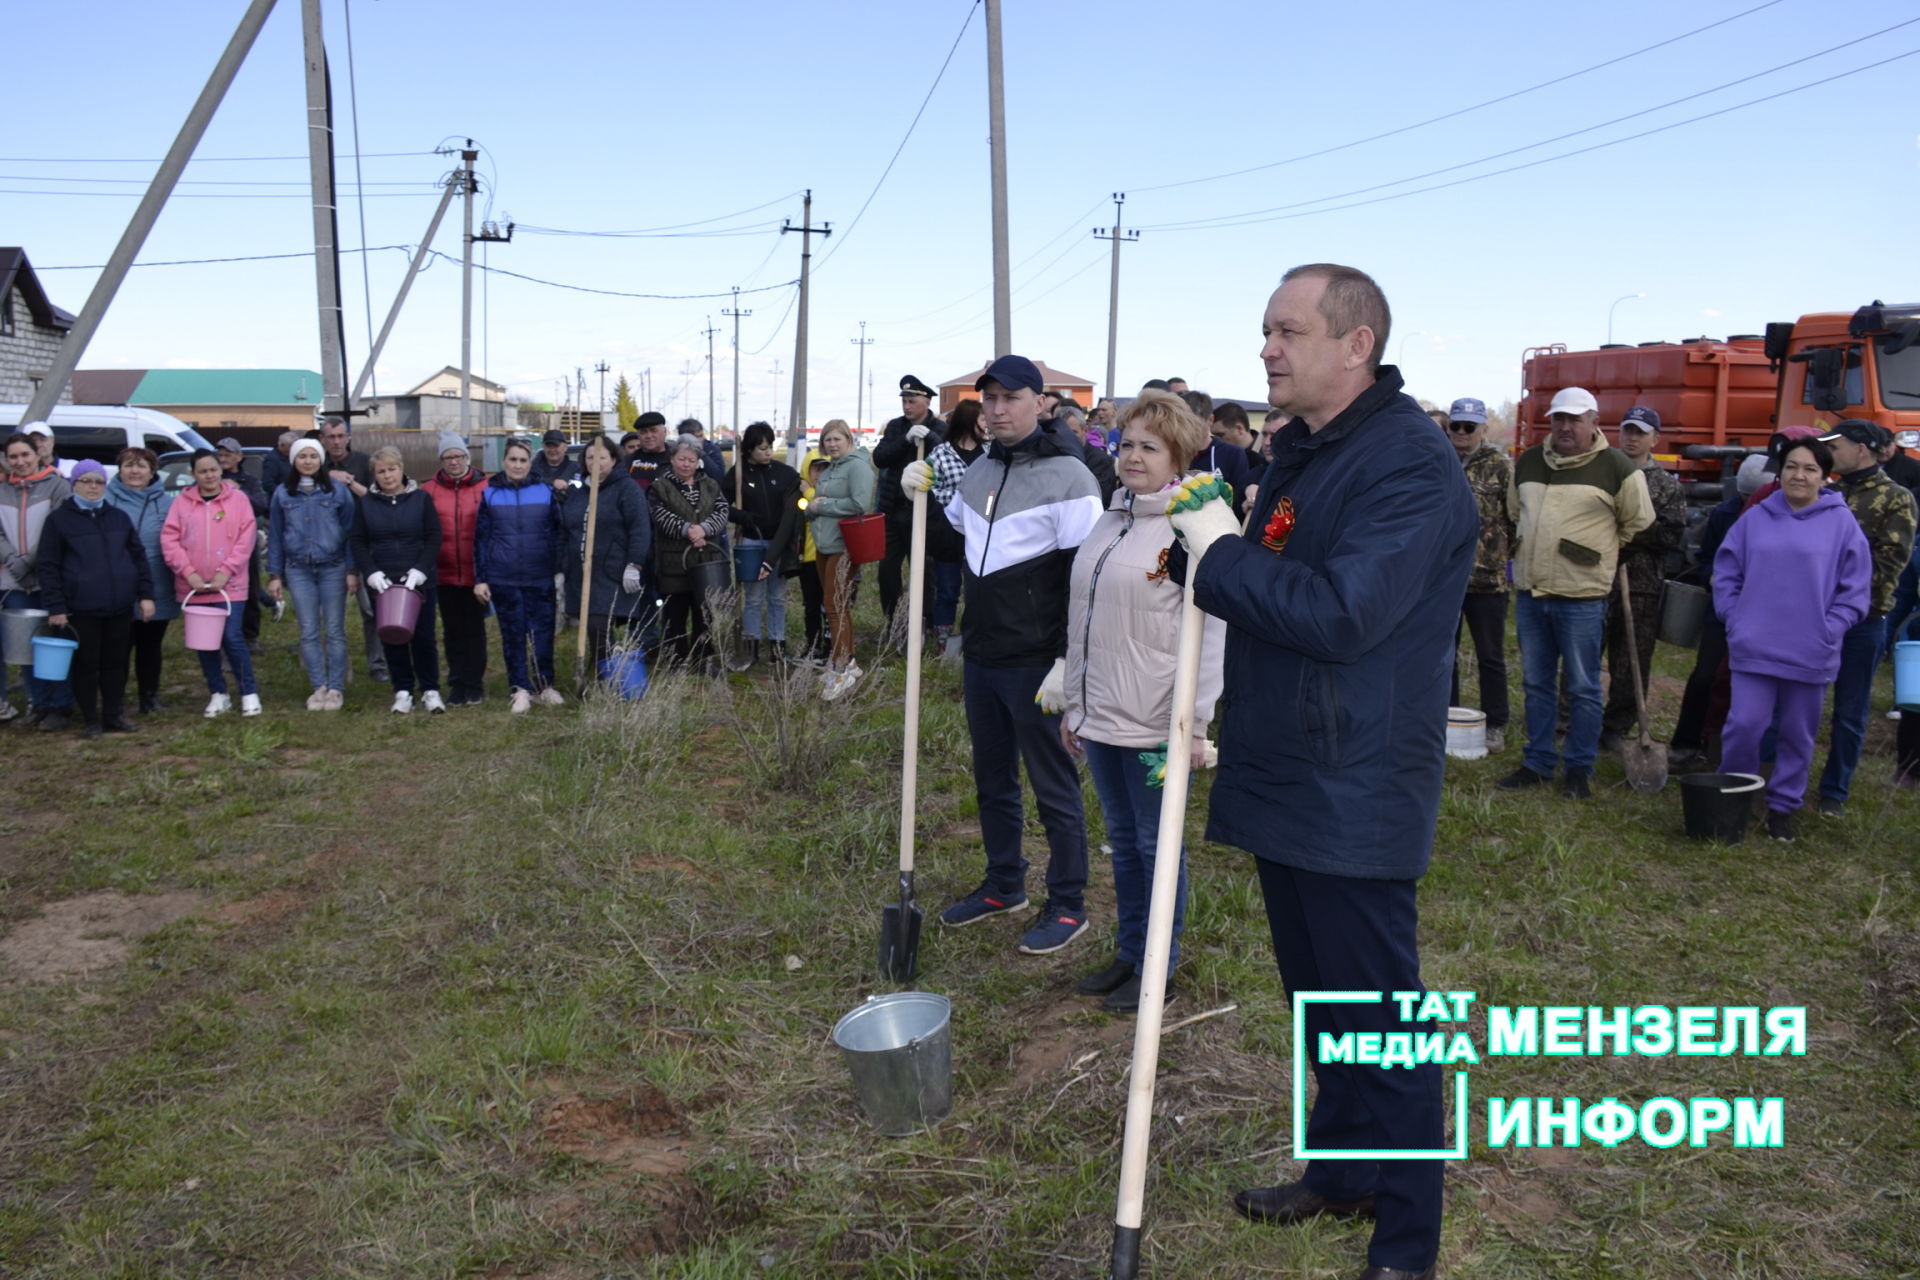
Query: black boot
x=777, y=652
x=753, y=653
x=149, y=703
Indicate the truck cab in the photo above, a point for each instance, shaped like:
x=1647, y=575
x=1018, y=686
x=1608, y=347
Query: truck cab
x=1835, y=366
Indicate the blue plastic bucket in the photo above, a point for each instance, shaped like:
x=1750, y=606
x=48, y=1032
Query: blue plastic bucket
x=747, y=562
x=53, y=657
x=1906, y=669
x=625, y=674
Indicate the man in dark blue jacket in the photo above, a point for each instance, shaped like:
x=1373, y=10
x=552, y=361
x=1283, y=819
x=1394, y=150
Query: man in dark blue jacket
x=1341, y=601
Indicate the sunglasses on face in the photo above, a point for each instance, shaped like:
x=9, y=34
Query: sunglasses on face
x=1463, y=428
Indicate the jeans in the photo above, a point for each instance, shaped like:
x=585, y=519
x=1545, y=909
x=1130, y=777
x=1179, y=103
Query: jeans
x=54, y=695
x=319, y=594
x=417, y=662
x=525, y=615
x=1852, y=692
x=1484, y=617
x=1006, y=728
x=947, y=577
x=1788, y=711
x=1553, y=631
x=234, y=645
x=763, y=601
x=1132, y=812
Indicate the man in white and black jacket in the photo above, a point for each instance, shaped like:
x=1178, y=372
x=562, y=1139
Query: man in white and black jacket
x=1023, y=508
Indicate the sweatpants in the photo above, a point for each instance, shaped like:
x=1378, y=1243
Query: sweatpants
x=1791, y=706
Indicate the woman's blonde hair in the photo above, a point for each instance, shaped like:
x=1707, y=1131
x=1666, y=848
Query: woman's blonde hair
x=388, y=454
x=1168, y=417
x=836, y=425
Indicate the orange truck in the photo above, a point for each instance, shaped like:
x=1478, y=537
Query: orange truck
x=1719, y=400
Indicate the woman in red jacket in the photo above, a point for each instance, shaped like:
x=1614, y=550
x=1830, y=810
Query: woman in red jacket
x=207, y=541
x=455, y=490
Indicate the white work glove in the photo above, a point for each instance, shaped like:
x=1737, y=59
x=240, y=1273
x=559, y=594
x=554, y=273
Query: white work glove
x=630, y=580
x=1201, y=514
x=918, y=431
x=917, y=477
x=378, y=582
x=414, y=580
x=1052, y=698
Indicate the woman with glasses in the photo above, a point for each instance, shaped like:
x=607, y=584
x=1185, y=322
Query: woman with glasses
x=94, y=580
x=146, y=503
x=456, y=489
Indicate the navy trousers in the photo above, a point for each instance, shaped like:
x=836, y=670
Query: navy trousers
x=1008, y=729
x=1342, y=933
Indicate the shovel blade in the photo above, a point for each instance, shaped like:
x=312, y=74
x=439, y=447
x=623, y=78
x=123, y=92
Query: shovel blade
x=900, y=942
x=1646, y=764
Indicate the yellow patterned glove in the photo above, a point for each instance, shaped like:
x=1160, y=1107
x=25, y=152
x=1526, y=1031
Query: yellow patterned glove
x=1201, y=514
x=1156, y=762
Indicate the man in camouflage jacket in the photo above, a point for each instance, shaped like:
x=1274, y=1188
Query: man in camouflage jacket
x=1886, y=512
x=1645, y=560
x=1484, y=612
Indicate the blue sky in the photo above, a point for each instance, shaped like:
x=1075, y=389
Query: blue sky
x=604, y=117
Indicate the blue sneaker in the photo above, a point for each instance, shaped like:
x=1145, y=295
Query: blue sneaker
x=1054, y=930
x=980, y=904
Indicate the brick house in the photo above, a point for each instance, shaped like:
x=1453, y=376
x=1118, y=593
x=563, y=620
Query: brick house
x=31, y=330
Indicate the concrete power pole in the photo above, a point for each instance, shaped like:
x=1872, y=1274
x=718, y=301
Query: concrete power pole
x=997, y=144
x=326, y=250
x=601, y=369
x=467, y=157
x=860, y=379
x=1119, y=238
x=708, y=333
x=736, y=313
x=798, y=416
x=74, y=345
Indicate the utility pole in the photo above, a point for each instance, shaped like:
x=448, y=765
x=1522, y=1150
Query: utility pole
x=1119, y=238
x=735, y=312
x=807, y=232
x=467, y=157
x=777, y=371
x=708, y=333
x=997, y=145
x=74, y=345
x=646, y=388
x=601, y=369
x=579, y=394
x=860, y=379
x=326, y=252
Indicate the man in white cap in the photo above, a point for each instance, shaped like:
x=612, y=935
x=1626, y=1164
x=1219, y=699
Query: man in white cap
x=1574, y=500
x=43, y=445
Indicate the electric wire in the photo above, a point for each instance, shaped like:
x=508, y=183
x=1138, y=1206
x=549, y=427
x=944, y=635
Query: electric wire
x=215, y=195
x=616, y=293
x=1564, y=155
x=1233, y=219
x=1490, y=102
x=654, y=231
x=250, y=257
x=186, y=182
x=371, y=155
x=973, y=321
x=1076, y=221
x=782, y=324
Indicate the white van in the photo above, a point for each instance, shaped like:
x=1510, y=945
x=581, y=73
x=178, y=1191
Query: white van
x=101, y=431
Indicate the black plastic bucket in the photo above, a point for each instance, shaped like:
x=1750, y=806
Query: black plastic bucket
x=1719, y=806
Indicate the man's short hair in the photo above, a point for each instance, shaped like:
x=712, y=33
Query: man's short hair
x=1229, y=414
x=688, y=427
x=649, y=420
x=1352, y=299
x=1199, y=401
x=1154, y=384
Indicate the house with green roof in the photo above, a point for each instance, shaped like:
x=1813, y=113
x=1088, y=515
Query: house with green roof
x=252, y=405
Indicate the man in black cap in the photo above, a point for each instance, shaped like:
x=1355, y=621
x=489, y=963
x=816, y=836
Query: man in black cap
x=899, y=442
x=552, y=465
x=650, y=458
x=1023, y=508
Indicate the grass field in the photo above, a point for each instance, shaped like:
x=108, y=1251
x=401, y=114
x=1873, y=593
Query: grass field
x=475, y=995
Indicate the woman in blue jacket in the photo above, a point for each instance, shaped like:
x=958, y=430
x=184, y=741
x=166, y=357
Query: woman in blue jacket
x=396, y=544
x=307, y=556
x=94, y=580
x=623, y=536
x=516, y=552
x=146, y=502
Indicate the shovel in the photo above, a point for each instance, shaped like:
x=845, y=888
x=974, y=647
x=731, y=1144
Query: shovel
x=586, y=583
x=1646, y=760
x=900, y=921
x=1153, y=969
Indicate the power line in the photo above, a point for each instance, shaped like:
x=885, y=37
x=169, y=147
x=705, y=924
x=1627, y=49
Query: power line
x=211, y=195
x=1421, y=124
x=938, y=76
x=370, y=155
x=782, y=321
x=674, y=226
x=252, y=257
x=1232, y=219
x=615, y=293
x=1072, y=225
x=1564, y=155
x=188, y=182
x=751, y=229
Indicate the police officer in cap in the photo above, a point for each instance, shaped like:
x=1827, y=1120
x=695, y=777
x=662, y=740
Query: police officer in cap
x=899, y=444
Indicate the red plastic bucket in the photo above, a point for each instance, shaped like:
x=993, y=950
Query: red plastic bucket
x=866, y=538
x=206, y=623
x=395, y=611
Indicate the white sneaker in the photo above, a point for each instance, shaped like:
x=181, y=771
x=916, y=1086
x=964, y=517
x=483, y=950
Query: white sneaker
x=839, y=682
x=218, y=705
x=522, y=702
x=317, y=702
x=402, y=703
x=550, y=697
x=336, y=699
x=249, y=704
x=7, y=712
x=431, y=701
x=1894, y=714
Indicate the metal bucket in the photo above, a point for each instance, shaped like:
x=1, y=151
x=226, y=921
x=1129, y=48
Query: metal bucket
x=1683, y=614
x=1466, y=733
x=20, y=627
x=899, y=1048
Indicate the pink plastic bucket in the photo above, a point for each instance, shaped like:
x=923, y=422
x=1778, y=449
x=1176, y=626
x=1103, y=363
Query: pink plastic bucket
x=395, y=611
x=207, y=623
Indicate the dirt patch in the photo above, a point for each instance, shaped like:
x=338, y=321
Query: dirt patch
x=266, y=907
x=640, y=1142
x=80, y=936
x=1062, y=1034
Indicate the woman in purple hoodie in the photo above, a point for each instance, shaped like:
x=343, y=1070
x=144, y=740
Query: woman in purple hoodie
x=1809, y=568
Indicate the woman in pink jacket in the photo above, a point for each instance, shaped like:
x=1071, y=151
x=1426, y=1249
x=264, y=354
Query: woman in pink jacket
x=207, y=541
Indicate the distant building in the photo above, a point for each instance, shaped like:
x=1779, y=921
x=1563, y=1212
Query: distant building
x=31, y=330
x=954, y=390
x=252, y=405
x=434, y=406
